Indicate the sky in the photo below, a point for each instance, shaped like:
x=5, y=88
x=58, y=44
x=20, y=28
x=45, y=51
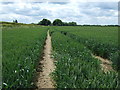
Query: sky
x=94, y=12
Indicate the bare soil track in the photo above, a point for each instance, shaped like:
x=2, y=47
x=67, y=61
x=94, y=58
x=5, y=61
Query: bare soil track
x=105, y=64
x=47, y=64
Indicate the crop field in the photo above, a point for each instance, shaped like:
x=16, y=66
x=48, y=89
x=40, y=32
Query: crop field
x=73, y=48
x=75, y=66
x=102, y=41
x=22, y=48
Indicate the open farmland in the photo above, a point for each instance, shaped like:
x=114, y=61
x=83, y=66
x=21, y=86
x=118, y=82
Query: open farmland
x=102, y=41
x=59, y=44
x=22, y=48
x=73, y=48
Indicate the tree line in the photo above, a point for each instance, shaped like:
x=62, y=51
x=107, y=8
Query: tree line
x=56, y=22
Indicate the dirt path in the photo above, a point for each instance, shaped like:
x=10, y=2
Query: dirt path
x=106, y=64
x=44, y=78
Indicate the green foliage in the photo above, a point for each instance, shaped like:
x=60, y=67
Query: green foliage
x=45, y=22
x=0, y=59
x=102, y=41
x=75, y=66
x=72, y=48
x=15, y=21
x=57, y=22
x=11, y=24
x=69, y=24
x=22, y=48
x=72, y=24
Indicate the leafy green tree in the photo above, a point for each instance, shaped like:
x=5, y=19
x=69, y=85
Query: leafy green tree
x=65, y=24
x=45, y=22
x=72, y=23
x=57, y=22
x=69, y=24
x=15, y=21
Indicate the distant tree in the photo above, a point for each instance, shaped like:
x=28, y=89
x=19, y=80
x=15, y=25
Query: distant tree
x=69, y=24
x=15, y=21
x=65, y=24
x=32, y=23
x=57, y=22
x=72, y=23
x=45, y=22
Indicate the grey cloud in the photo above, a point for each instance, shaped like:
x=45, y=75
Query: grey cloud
x=82, y=13
x=62, y=3
x=108, y=5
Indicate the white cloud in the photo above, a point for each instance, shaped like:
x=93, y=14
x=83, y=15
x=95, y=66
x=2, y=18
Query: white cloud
x=58, y=0
x=82, y=13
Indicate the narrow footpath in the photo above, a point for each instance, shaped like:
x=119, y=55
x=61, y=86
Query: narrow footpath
x=47, y=64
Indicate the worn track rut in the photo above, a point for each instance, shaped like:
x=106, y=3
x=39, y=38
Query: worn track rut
x=105, y=64
x=47, y=65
